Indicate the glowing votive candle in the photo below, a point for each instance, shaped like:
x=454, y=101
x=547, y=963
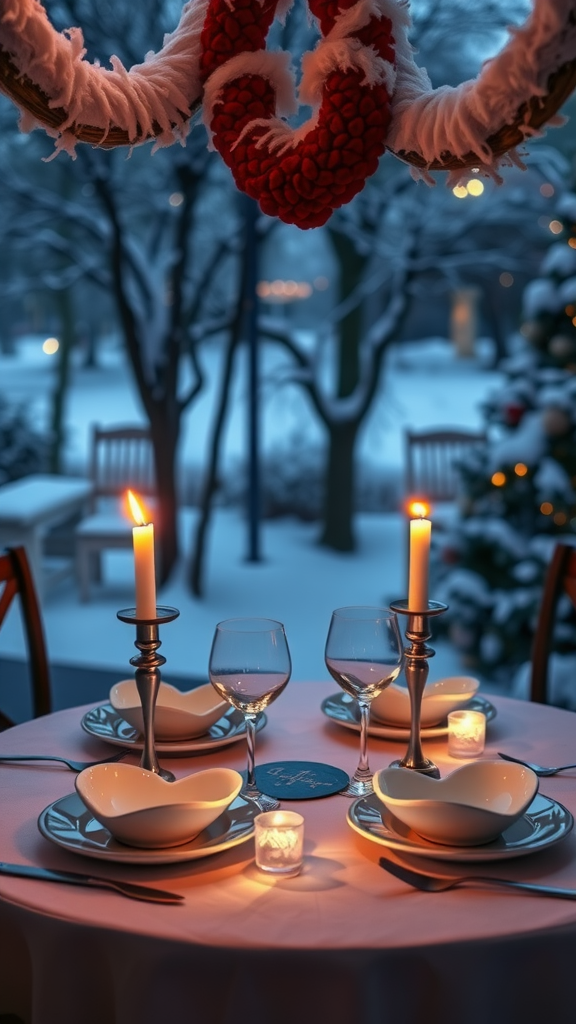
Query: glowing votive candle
x=279, y=842
x=466, y=733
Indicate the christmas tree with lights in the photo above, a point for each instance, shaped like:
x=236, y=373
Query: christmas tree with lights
x=520, y=491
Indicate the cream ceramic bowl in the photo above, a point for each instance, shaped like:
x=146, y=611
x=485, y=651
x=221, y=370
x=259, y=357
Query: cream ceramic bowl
x=178, y=716
x=439, y=698
x=140, y=809
x=471, y=806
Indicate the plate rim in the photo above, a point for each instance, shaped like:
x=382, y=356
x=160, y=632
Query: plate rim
x=133, y=854
x=167, y=748
x=400, y=732
x=461, y=854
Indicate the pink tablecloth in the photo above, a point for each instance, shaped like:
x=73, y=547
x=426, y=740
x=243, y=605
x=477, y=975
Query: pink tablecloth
x=343, y=942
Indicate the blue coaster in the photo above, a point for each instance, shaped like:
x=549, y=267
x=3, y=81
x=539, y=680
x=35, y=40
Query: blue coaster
x=300, y=780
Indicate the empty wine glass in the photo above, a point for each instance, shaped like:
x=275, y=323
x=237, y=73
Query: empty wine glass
x=364, y=653
x=249, y=667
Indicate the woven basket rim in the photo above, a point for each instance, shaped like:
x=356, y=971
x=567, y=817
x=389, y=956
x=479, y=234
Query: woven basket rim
x=535, y=112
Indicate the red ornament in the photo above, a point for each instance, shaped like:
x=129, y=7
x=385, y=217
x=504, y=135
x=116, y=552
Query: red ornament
x=299, y=176
x=513, y=413
x=450, y=555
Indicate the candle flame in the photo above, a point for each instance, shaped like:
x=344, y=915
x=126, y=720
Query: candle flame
x=418, y=509
x=136, y=509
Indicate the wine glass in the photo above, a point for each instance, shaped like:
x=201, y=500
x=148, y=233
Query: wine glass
x=249, y=667
x=364, y=653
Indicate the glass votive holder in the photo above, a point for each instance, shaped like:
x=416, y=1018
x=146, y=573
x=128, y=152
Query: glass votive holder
x=279, y=842
x=466, y=733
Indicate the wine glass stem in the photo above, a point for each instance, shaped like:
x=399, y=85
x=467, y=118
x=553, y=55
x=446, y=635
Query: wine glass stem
x=251, y=745
x=363, y=769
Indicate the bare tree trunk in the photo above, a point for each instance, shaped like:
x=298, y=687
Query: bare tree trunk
x=165, y=445
x=210, y=484
x=59, y=395
x=352, y=266
x=339, y=504
x=338, y=524
x=339, y=480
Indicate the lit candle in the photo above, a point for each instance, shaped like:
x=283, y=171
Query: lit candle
x=420, y=530
x=143, y=541
x=279, y=840
x=466, y=733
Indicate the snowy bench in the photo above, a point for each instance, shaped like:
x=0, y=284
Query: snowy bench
x=33, y=505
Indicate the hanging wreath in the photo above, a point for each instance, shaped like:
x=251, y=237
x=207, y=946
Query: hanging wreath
x=364, y=53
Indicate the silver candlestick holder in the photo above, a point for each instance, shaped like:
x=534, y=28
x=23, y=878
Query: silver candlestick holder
x=147, y=674
x=416, y=671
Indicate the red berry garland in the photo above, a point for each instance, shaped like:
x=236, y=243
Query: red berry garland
x=300, y=178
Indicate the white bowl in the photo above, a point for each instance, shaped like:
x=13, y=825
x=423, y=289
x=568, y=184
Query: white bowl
x=141, y=809
x=178, y=716
x=471, y=806
x=439, y=698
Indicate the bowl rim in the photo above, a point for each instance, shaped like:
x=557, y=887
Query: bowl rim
x=396, y=687
x=183, y=805
x=136, y=705
x=419, y=802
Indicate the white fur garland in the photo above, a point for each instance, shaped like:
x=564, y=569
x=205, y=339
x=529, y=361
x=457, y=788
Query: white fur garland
x=149, y=99
x=459, y=120
x=155, y=98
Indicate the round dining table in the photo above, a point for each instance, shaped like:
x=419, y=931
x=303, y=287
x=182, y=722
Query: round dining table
x=343, y=942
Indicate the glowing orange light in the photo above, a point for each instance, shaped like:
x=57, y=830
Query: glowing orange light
x=546, y=508
x=560, y=518
x=498, y=479
x=137, y=510
x=418, y=508
x=520, y=469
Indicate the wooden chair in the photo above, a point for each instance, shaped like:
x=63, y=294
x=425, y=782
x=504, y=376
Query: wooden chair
x=560, y=579
x=121, y=458
x=432, y=458
x=17, y=578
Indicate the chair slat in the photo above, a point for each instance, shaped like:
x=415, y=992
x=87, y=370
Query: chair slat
x=560, y=578
x=15, y=572
x=432, y=459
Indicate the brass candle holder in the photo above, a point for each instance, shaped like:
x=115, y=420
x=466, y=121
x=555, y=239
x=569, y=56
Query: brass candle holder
x=147, y=674
x=417, y=656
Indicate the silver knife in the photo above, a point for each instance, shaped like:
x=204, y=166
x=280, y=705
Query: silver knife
x=135, y=892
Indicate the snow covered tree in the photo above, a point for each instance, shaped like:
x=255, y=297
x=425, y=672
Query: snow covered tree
x=142, y=231
x=395, y=244
x=520, y=496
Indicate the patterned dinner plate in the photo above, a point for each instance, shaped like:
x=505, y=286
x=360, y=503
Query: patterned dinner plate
x=107, y=724
x=545, y=822
x=342, y=708
x=68, y=823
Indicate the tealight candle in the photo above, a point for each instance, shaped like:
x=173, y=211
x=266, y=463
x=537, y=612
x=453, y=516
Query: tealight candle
x=466, y=733
x=279, y=842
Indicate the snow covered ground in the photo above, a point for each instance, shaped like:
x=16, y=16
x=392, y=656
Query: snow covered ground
x=424, y=384
x=297, y=581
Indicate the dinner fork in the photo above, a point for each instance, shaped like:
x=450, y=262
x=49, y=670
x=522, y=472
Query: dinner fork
x=76, y=766
x=130, y=889
x=538, y=769
x=434, y=883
